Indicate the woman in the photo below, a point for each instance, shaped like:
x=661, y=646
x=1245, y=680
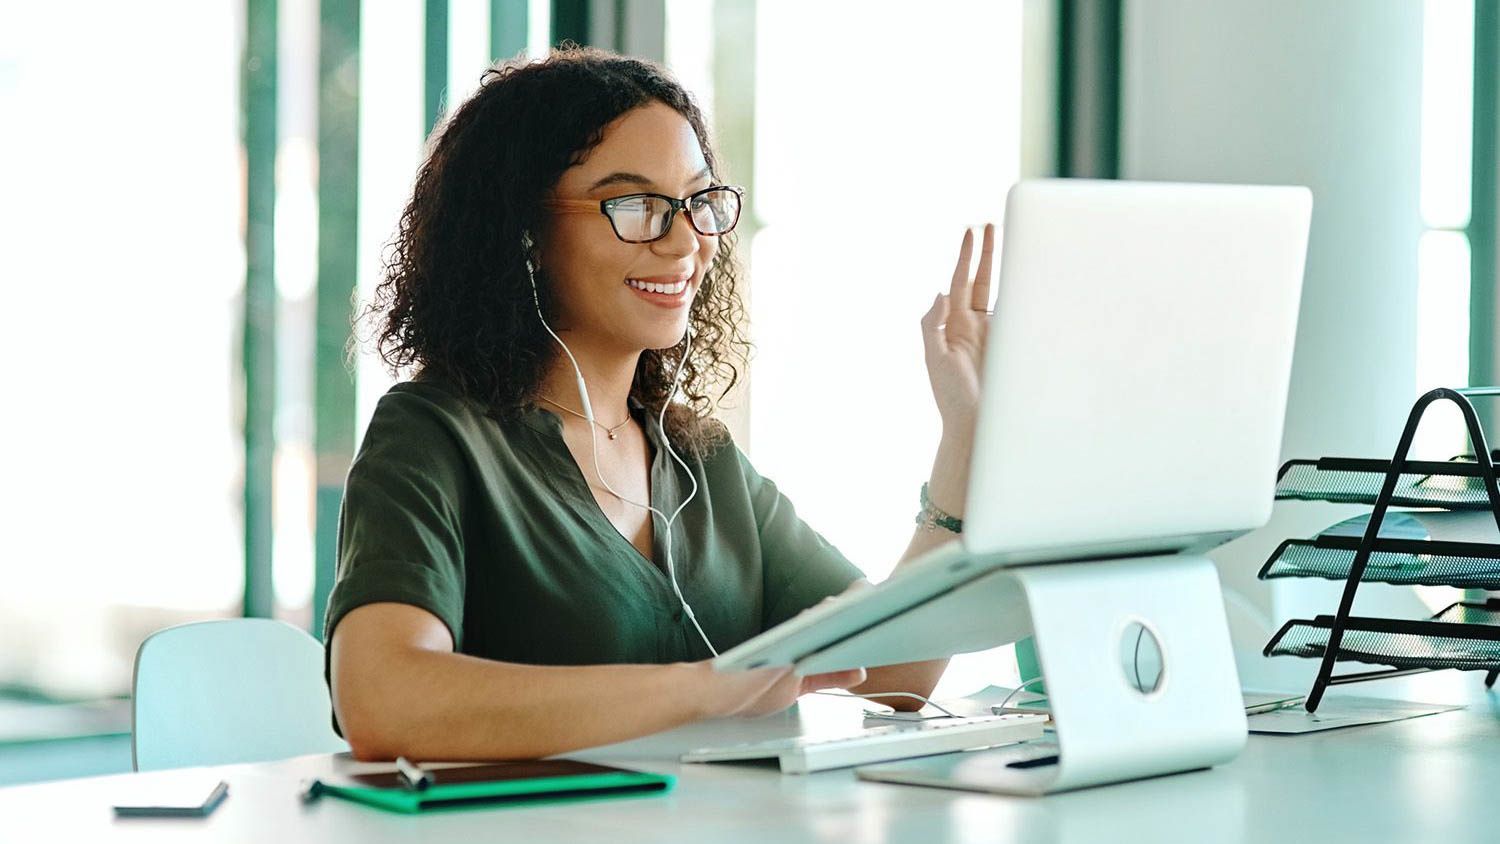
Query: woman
x=502, y=590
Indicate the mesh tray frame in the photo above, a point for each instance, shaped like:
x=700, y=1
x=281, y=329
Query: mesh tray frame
x=1395, y=643
x=1446, y=485
x=1402, y=562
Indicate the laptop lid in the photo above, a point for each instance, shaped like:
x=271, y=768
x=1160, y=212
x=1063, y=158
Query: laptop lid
x=1137, y=368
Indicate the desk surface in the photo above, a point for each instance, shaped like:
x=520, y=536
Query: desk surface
x=1425, y=779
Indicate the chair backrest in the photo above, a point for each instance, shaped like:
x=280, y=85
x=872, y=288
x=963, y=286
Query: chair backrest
x=221, y=692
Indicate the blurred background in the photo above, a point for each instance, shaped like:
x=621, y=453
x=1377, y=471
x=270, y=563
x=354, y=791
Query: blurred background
x=195, y=193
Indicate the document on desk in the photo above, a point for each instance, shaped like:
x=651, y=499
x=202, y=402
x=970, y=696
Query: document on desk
x=995, y=700
x=1268, y=713
x=1337, y=712
x=1437, y=525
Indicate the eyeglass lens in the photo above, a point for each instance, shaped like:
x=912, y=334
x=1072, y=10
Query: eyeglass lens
x=641, y=218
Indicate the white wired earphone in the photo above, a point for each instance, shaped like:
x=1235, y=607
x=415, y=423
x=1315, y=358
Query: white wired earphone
x=588, y=413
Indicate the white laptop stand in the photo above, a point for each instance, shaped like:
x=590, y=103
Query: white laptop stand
x=1108, y=730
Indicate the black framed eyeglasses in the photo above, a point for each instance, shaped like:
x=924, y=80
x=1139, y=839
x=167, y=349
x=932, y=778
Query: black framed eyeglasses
x=644, y=217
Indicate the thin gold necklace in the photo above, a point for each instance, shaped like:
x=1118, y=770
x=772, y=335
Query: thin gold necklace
x=607, y=429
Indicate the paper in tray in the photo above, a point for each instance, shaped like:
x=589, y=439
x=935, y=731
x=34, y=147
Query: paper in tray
x=1431, y=548
x=1451, y=485
x=1475, y=526
x=1400, y=644
x=1396, y=561
x=1471, y=612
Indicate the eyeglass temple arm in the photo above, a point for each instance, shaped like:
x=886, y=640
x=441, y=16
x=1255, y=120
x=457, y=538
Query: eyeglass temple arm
x=574, y=206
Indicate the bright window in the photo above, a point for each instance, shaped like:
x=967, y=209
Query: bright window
x=391, y=141
x=124, y=267
x=1443, y=255
x=879, y=137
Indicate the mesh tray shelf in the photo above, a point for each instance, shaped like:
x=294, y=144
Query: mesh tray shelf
x=1406, y=562
x=1400, y=644
x=1466, y=612
x=1451, y=485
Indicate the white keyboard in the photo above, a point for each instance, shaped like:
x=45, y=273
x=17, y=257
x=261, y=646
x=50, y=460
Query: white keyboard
x=805, y=754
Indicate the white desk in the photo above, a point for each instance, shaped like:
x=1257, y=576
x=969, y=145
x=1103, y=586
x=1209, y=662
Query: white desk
x=1428, y=779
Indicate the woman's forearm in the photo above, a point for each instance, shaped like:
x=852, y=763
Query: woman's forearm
x=431, y=705
x=918, y=678
x=399, y=689
x=948, y=485
x=947, y=488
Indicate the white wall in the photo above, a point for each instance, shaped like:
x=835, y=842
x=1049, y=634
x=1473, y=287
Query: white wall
x=1324, y=94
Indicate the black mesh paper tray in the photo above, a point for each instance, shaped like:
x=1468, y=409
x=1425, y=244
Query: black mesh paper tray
x=1449, y=485
x=1471, y=565
x=1400, y=644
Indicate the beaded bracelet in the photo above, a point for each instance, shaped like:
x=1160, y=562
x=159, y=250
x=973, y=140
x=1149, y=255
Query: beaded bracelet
x=931, y=518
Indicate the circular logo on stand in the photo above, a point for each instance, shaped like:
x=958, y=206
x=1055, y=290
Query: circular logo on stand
x=1141, y=658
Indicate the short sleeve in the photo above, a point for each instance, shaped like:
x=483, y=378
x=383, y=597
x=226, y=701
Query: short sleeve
x=400, y=537
x=800, y=567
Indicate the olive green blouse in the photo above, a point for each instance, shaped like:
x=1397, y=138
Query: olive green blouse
x=492, y=528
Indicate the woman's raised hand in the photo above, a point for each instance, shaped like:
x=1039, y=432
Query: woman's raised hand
x=953, y=335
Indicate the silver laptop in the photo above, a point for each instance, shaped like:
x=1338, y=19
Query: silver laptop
x=1134, y=391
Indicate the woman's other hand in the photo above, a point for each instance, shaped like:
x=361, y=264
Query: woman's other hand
x=765, y=691
x=953, y=335
x=953, y=339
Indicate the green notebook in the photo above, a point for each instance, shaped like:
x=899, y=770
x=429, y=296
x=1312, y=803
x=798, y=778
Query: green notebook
x=529, y=782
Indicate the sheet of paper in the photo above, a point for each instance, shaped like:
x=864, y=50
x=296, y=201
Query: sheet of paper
x=1441, y=525
x=1337, y=712
x=1258, y=702
x=979, y=703
x=1288, y=718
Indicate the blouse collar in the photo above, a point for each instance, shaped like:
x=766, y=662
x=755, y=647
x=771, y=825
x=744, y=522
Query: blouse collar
x=547, y=422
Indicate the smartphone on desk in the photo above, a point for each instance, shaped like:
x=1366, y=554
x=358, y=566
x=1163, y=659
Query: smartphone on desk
x=173, y=800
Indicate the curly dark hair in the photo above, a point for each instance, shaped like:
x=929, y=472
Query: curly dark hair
x=455, y=302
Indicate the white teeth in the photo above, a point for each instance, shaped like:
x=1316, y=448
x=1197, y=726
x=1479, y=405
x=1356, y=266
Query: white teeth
x=652, y=287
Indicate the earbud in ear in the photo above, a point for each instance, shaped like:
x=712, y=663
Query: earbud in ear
x=527, y=244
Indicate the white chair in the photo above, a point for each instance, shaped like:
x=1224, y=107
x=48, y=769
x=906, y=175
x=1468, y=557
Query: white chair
x=221, y=692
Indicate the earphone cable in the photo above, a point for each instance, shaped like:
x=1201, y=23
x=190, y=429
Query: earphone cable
x=594, y=448
x=666, y=521
x=1017, y=690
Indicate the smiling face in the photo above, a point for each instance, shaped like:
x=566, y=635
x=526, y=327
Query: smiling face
x=621, y=296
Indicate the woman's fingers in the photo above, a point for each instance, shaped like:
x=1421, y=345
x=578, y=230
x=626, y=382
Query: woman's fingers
x=769, y=691
x=961, y=325
x=960, y=284
x=834, y=680
x=781, y=694
x=980, y=298
x=735, y=693
x=957, y=320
